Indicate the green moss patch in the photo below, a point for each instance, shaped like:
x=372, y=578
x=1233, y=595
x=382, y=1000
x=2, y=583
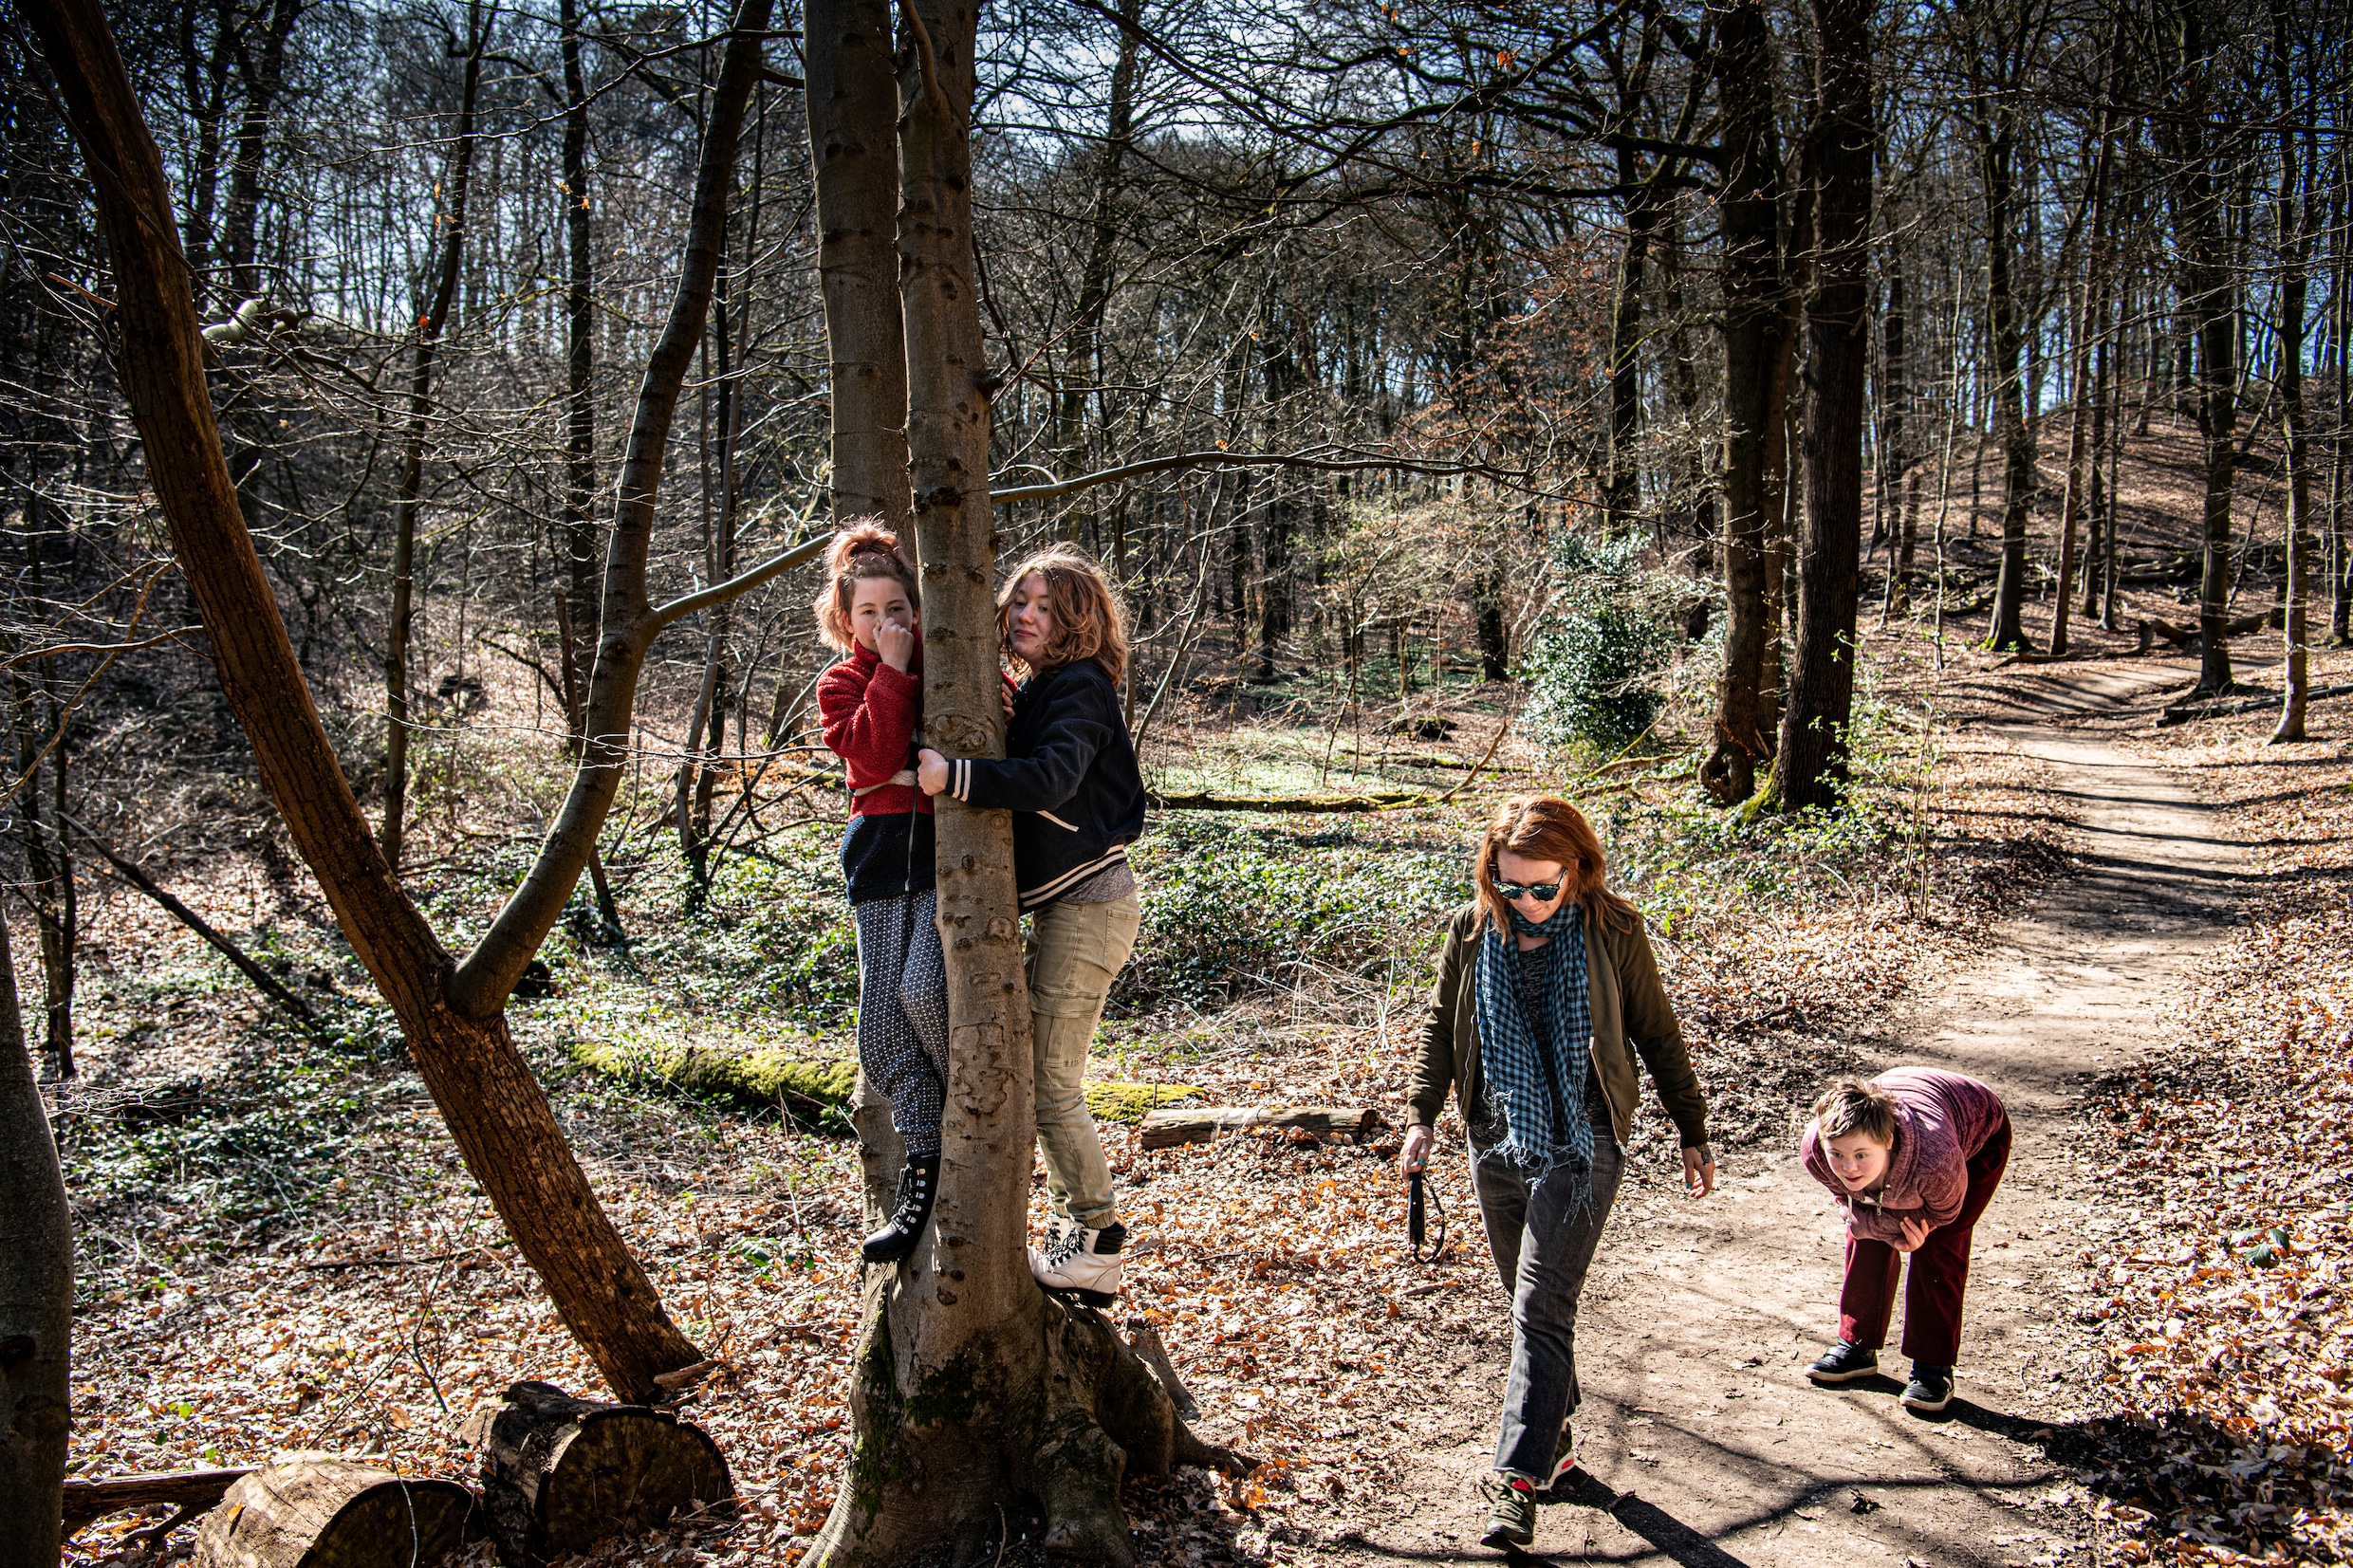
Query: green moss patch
x=1127, y=1102
x=757, y=1079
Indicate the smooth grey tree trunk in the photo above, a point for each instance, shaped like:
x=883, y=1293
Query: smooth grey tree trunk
x=36, y=1302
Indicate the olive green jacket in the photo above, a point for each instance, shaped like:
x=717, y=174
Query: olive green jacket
x=1631, y=1014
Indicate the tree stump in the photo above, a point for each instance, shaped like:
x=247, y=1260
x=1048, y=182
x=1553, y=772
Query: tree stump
x=312, y=1511
x=559, y=1473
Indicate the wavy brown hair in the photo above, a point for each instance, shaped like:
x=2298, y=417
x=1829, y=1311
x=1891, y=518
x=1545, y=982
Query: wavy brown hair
x=1856, y=1105
x=1544, y=827
x=863, y=549
x=1089, y=622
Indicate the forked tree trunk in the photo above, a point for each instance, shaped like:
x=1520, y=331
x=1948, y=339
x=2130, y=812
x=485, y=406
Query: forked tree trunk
x=971, y=1387
x=1752, y=316
x=452, y=1015
x=36, y=1301
x=1810, y=767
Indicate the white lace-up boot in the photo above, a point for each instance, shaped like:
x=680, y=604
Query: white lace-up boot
x=1085, y=1263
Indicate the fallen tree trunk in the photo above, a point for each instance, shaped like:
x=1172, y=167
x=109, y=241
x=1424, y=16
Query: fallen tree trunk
x=131, y=871
x=559, y=1473
x=2189, y=711
x=1167, y=1128
x=2239, y=627
x=86, y=1500
x=1396, y=802
x=312, y=1511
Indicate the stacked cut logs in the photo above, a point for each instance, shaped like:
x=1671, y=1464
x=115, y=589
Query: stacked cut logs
x=558, y=1474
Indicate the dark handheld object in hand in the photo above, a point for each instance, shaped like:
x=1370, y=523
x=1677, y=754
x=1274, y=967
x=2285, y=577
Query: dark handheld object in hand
x=1415, y=1228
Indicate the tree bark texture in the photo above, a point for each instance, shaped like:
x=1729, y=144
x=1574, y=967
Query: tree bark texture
x=449, y=229
x=36, y=1302
x=971, y=1386
x=1997, y=159
x=1751, y=205
x=1102, y=248
x=2209, y=300
x=2093, y=325
x=455, y=1029
x=1810, y=767
x=853, y=102
x=579, y=633
x=241, y=220
x=2295, y=215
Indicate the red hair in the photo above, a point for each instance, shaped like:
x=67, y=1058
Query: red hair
x=1544, y=827
x=1088, y=622
x=863, y=549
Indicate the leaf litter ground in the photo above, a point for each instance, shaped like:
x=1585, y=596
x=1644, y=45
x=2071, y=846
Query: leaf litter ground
x=280, y=1251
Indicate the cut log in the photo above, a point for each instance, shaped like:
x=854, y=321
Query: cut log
x=1166, y=1129
x=560, y=1474
x=89, y=1500
x=313, y=1512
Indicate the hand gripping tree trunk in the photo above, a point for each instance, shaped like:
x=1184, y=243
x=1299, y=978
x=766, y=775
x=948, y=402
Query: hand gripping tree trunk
x=453, y=1014
x=971, y=1386
x=1810, y=766
x=36, y=1302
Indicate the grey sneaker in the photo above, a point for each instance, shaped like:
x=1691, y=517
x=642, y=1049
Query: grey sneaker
x=1844, y=1364
x=1931, y=1387
x=1512, y=1517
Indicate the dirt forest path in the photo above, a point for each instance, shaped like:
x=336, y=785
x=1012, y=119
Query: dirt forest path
x=1710, y=1445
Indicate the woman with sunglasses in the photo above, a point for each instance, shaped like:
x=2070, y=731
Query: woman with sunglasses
x=1547, y=994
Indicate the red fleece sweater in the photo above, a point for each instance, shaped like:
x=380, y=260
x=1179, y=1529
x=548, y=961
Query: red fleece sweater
x=871, y=713
x=1942, y=1119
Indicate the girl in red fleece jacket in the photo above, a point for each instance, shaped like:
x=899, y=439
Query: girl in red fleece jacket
x=1915, y=1155
x=872, y=708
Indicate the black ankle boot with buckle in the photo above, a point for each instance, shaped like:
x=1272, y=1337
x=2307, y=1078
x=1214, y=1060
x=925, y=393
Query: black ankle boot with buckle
x=917, y=1186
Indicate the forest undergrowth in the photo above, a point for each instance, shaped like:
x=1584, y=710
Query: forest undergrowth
x=280, y=1251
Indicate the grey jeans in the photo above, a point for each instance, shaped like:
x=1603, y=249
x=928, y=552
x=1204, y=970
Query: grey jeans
x=1542, y=1243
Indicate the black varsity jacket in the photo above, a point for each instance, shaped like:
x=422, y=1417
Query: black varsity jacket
x=1069, y=777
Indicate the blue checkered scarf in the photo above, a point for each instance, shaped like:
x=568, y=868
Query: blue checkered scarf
x=1514, y=1058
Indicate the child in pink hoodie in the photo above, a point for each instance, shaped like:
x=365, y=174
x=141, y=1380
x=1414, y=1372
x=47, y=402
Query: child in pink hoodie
x=1915, y=1155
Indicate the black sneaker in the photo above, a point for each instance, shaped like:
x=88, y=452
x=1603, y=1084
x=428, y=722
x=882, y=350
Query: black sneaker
x=918, y=1185
x=1931, y=1387
x=1846, y=1364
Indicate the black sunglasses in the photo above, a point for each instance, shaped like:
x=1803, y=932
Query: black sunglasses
x=1544, y=893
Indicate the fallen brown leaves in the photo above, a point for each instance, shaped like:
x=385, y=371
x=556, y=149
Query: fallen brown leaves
x=2216, y=1289
x=360, y=1297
